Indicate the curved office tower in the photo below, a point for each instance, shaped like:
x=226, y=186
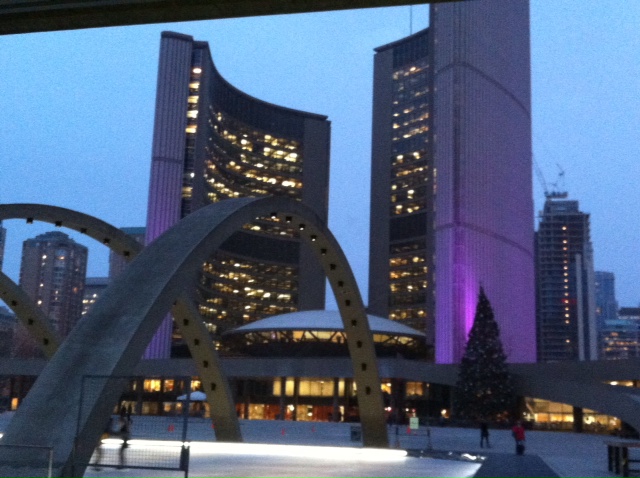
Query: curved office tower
x=483, y=205
x=213, y=142
x=451, y=192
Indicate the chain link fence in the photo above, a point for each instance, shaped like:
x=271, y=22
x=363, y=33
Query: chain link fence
x=133, y=441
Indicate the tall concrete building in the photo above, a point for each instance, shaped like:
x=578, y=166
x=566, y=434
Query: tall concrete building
x=451, y=194
x=52, y=273
x=565, y=283
x=213, y=142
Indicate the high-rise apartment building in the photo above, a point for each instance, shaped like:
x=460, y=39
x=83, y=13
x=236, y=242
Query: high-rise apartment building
x=451, y=193
x=213, y=142
x=565, y=283
x=52, y=273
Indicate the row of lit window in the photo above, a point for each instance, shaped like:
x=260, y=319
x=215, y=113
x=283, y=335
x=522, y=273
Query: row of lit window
x=214, y=179
x=236, y=315
x=405, y=260
x=405, y=314
x=412, y=70
x=399, y=274
x=338, y=337
x=410, y=120
x=282, y=278
x=231, y=263
x=269, y=289
x=410, y=133
x=241, y=161
x=253, y=136
x=408, y=208
x=408, y=286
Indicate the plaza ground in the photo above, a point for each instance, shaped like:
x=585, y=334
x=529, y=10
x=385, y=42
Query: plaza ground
x=561, y=453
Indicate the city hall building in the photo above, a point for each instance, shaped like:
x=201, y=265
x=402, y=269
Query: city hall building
x=212, y=142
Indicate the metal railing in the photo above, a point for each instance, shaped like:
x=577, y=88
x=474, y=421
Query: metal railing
x=35, y=461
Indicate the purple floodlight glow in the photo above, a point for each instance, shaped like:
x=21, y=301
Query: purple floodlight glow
x=482, y=154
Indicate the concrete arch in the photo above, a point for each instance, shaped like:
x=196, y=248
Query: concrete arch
x=187, y=317
x=113, y=336
x=20, y=303
x=29, y=315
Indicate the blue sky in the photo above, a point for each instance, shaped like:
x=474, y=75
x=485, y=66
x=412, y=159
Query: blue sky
x=76, y=114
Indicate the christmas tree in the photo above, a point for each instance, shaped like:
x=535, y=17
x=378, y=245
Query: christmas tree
x=484, y=389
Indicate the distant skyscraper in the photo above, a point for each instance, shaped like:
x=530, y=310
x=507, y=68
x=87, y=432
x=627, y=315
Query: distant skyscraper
x=52, y=273
x=7, y=331
x=117, y=263
x=213, y=142
x=93, y=289
x=605, y=298
x=452, y=206
x=621, y=335
x=565, y=284
x=3, y=238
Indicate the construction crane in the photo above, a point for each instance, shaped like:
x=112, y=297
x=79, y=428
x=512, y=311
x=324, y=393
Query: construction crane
x=556, y=191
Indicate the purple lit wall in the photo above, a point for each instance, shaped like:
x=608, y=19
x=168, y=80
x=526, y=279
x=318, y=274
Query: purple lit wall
x=167, y=161
x=484, y=206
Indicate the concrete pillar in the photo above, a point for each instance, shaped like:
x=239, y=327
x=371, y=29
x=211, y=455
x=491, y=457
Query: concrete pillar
x=296, y=396
x=283, y=398
x=336, y=399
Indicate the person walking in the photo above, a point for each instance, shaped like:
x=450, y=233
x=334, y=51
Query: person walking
x=518, y=435
x=484, y=434
x=124, y=431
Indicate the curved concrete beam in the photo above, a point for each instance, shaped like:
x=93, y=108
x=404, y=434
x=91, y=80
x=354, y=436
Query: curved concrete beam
x=111, y=236
x=20, y=303
x=113, y=336
x=187, y=317
x=30, y=315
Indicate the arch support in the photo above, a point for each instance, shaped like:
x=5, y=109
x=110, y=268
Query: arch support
x=188, y=319
x=113, y=336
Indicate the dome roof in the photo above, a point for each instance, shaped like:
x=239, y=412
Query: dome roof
x=322, y=320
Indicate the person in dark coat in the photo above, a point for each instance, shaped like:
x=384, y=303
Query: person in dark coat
x=484, y=434
x=124, y=431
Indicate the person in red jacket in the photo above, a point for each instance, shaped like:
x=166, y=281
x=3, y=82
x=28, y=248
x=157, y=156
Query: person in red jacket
x=518, y=435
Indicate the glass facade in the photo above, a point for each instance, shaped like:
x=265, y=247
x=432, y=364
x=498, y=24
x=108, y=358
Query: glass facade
x=403, y=231
x=225, y=145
